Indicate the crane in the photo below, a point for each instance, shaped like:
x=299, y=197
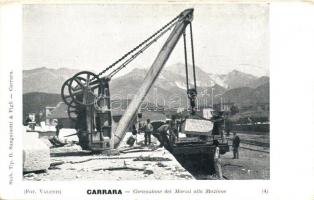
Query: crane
x=87, y=95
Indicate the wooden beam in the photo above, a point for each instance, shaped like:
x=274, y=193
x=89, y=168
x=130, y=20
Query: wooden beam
x=151, y=76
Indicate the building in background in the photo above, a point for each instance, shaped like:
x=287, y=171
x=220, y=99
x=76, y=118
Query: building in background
x=60, y=114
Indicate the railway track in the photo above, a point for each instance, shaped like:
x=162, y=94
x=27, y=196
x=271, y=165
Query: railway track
x=254, y=149
x=251, y=144
x=255, y=143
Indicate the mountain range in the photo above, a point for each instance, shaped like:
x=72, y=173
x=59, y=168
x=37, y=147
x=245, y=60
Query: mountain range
x=169, y=88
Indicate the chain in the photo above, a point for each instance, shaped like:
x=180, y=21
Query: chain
x=140, y=51
x=138, y=46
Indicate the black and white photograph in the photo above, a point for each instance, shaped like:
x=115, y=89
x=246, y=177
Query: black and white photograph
x=146, y=92
x=193, y=99
x=157, y=92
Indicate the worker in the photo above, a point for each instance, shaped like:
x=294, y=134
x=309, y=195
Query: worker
x=58, y=127
x=148, y=130
x=235, y=145
x=134, y=132
x=217, y=121
x=173, y=129
x=141, y=123
x=131, y=140
x=162, y=131
x=217, y=161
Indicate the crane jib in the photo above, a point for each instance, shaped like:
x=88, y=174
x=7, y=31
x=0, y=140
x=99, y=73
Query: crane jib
x=87, y=95
x=152, y=74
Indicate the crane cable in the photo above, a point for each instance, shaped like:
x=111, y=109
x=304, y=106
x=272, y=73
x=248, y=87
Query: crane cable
x=191, y=92
x=161, y=30
x=140, y=51
x=186, y=60
x=169, y=25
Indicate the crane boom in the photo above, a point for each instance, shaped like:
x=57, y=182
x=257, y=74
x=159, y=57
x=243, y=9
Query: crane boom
x=185, y=18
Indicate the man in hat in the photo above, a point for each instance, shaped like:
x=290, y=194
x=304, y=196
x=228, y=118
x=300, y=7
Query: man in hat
x=235, y=145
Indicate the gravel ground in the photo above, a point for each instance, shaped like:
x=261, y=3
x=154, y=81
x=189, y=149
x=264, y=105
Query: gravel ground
x=145, y=163
x=253, y=162
x=250, y=165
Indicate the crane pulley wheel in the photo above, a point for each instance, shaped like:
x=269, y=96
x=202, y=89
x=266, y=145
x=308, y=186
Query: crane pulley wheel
x=84, y=87
x=65, y=94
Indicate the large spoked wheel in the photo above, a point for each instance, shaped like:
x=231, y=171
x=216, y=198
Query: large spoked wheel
x=65, y=94
x=84, y=88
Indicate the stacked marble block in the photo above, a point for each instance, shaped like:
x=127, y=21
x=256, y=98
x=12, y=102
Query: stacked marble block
x=36, y=154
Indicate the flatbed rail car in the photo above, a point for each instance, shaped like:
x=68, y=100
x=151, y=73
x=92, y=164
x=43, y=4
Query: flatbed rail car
x=195, y=155
x=190, y=147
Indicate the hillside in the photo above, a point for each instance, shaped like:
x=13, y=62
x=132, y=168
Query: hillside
x=45, y=80
x=41, y=87
x=173, y=77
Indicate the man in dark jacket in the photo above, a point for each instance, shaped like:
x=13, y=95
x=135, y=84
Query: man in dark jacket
x=148, y=129
x=162, y=131
x=235, y=145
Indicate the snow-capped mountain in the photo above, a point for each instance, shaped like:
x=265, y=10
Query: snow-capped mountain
x=168, y=89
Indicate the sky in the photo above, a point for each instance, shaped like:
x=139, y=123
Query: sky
x=92, y=36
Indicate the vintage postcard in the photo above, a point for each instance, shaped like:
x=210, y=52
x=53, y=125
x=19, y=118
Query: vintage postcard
x=137, y=100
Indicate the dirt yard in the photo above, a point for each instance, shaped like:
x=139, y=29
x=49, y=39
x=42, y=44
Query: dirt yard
x=253, y=162
x=250, y=165
x=140, y=163
x=152, y=163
